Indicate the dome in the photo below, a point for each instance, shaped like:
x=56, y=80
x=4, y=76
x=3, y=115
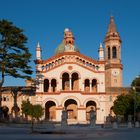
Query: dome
x=61, y=48
x=67, y=44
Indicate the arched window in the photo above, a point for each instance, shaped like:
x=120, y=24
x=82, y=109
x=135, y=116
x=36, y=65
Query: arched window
x=94, y=85
x=75, y=81
x=53, y=85
x=114, y=52
x=46, y=85
x=108, y=52
x=87, y=85
x=65, y=81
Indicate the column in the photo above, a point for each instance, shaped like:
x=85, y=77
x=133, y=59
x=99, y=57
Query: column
x=49, y=86
x=56, y=88
x=98, y=87
x=40, y=86
x=90, y=86
x=110, y=52
x=59, y=113
x=83, y=87
x=70, y=83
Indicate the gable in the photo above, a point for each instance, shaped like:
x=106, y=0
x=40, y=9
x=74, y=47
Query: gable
x=70, y=58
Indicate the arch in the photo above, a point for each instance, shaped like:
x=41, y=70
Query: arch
x=5, y=111
x=65, y=81
x=50, y=99
x=94, y=85
x=108, y=52
x=87, y=85
x=71, y=107
x=46, y=85
x=47, y=66
x=89, y=105
x=71, y=97
x=50, y=110
x=84, y=62
x=53, y=64
x=61, y=74
x=53, y=85
x=91, y=99
x=79, y=75
x=75, y=81
x=97, y=67
x=114, y=52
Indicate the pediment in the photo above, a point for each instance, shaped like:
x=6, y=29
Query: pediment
x=70, y=58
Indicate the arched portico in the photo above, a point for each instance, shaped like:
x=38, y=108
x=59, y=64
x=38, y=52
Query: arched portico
x=5, y=111
x=50, y=110
x=89, y=105
x=71, y=107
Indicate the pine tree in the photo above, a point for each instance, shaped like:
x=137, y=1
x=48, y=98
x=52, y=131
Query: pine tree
x=14, y=55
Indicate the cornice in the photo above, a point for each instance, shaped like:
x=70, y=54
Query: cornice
x=57, y=56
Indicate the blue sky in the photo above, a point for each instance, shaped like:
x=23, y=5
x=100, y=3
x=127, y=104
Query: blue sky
x=44, y=21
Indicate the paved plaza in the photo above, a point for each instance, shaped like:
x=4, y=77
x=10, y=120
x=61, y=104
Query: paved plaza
x=70, y=133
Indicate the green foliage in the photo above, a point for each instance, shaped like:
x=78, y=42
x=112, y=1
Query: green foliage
x=14, y=55
x=26, y=107
x=123, y=105
x=136, y=84
x=35, y=111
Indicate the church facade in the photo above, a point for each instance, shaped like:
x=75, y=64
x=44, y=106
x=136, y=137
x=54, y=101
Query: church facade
x=75, y=82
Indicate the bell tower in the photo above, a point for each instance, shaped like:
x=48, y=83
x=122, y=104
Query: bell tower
x=113, y=67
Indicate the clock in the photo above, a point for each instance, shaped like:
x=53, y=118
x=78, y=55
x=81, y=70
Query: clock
x=115, y=72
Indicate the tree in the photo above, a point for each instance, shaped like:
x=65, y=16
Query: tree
x=136, y=83
x=26, y=107
x=14, y=55
x=35, y=111
x=126, y=104
x=123, y=105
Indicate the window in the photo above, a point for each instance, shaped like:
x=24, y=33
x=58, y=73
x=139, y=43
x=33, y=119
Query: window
x=65, y=81
x=87, y=85
x=46, y=85
x=53, y=85
x=114, y=52
x=4, y=98
x=94, y=85
x=108, y=52
x=75, y=81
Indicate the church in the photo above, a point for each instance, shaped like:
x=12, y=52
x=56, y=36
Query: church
x=75, y=82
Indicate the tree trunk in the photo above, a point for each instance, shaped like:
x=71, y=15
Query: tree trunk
x=15, y=106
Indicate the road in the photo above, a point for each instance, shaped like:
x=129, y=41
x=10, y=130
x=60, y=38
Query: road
x=10, y=133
